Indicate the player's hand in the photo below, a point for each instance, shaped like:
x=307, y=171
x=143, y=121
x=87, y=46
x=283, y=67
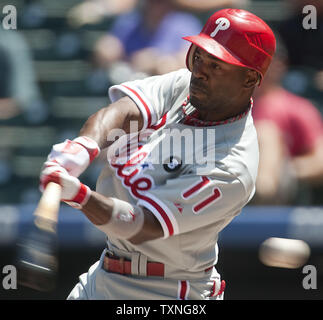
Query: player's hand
x=73, y=155
x=73, y=192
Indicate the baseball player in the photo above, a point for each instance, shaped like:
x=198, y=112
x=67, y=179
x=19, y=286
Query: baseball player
x=178, y=176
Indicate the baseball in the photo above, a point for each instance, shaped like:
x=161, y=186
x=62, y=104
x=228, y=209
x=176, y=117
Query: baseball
x=284, y=253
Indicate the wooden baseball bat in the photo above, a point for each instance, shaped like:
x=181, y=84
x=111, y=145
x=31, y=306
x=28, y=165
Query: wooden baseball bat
x=46, y=213
x=37, y=252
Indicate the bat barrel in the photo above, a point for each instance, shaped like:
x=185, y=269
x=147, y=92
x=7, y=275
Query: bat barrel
x=37, y=261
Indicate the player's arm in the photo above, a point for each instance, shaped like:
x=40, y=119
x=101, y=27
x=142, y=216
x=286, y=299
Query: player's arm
x=76, y=155
x=112, y=216
x=181, y=205
x=118, y=115
x=140, y=102
x=119, y=218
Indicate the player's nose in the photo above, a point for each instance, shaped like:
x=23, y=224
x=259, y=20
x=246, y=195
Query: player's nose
x=200, y=70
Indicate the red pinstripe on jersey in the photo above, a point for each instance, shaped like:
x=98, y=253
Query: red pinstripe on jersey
x=161, y=211
x=145, y=105
x=160, y=123
x=183, y=289
x=217, y=291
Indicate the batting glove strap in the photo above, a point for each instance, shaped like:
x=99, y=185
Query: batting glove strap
x=90, y=145
x=74, y=155
x=73, y=192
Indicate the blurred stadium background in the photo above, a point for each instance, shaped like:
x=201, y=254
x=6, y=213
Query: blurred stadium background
x=66, y=92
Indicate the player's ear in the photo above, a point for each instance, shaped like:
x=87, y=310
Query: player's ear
x=252, y=79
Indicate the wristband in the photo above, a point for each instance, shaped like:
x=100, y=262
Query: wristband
x=125, y=222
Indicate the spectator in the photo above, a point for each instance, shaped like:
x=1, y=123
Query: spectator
x=147, y=38
x=8, y=107
x=94, y=11
x=8, y=110
x=206, y=5
x=290, y=134
x=22, y=85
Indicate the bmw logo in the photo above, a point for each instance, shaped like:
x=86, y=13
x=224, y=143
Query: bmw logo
x=172, y=164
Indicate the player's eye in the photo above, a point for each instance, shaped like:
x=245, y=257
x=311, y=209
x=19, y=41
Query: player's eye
x=214, y=65
x=196, y=57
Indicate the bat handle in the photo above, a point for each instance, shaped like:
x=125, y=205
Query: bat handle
x=46, y=213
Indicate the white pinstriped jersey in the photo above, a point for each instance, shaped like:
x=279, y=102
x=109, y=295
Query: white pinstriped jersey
x=194, y=177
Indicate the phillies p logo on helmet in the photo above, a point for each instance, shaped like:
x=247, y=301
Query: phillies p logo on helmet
x=222, y=24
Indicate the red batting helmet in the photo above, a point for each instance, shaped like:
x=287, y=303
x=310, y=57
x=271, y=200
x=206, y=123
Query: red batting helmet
x=237, y=37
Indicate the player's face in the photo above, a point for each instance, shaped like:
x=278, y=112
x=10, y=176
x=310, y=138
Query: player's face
x=215, y=85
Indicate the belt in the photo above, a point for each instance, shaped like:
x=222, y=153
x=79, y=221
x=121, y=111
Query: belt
x=122, y=266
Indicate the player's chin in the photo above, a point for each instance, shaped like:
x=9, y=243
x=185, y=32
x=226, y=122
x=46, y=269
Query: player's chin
x=199, y=102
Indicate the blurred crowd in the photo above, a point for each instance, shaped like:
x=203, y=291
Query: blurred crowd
x=56, y=69
x=288, y=113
